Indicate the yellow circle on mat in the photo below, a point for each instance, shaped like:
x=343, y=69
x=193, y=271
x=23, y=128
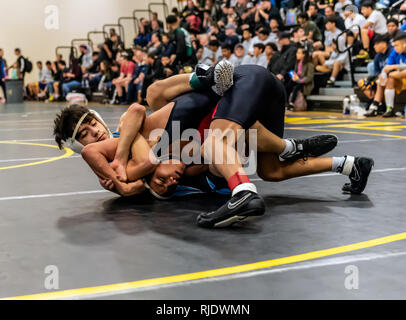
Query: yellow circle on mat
x=68, y=153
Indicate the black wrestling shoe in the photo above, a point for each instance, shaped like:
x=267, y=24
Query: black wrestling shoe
x=219, y=78
x=243, y=205
x=389, y=113
x=311, y=147
x=359, y=175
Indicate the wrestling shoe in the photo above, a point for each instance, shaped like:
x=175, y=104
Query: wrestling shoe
x=372, y=111
x=311, y=147
x=219, y=78
x=389, y=113
x=241, y=206
x=361, y=169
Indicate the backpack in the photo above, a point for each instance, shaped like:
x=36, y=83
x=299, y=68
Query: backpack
x=27, y=65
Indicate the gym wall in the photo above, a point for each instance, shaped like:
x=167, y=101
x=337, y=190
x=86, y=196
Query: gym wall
x=37, y=27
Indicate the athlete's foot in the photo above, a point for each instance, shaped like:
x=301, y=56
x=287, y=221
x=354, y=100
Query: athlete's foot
x=359, y=175
x=312, y=147
x=241, y=206
x=389, y=113
x=120, y=168
x=219, y=78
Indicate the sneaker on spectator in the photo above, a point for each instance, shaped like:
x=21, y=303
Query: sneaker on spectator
x=389, y=113
x=372, y=111
x=363, y=55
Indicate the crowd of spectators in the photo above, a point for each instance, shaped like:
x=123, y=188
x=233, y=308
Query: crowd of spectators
x=294, y=39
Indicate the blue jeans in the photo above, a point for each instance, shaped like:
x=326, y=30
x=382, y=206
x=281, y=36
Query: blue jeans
x=133, y=89
x=69, y=86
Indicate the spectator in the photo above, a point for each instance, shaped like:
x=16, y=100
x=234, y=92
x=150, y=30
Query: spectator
x=262, y=37
x=155, y=18
x=3, y=75
x=37, y=89
x=274, y=30
x=329, y=11
x=54, y=86
x=315, y=16
x=109, y=49
x=287, y=58
x=336, y=63
x=207, y=21
x=353, y=19
x=167, y=47
x=331, y=35
x=383, y=49
x=136, y=84
x=231, y=37
x=311, y=30
x=155, y=46
x=395, y=74
x=265, y=11
x=182, y=43
x=191, y=15
x=143, y=37
x=248, y=40
x=20, y=64
x=303, y=77
x=127, y=70
x=215, y=51
x=238, y=55
x=86, y=57
x=393, y=28
x=339, y=7
x=375, y=24
x=272, y=54
x=72, y=77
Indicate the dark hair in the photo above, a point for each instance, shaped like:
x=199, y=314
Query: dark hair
x=349, y=33
x=264, y=31
x=62, y=62
x=40, y=62
x=272, y=45
x=171, y=19
x=48, y=63
x=368, y=4
x=331, y=19
x=382, y=38
x=312, y=4
x=158, y=35
x=393, y=20
x=303, y=15
x=214, y=43
x=65, y=122
x=260, y=46
x=401, y=36
x=17, y=50
x=307, y=57
x=225, y=46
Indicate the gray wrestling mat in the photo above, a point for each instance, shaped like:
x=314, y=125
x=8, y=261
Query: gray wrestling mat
x=63, y=236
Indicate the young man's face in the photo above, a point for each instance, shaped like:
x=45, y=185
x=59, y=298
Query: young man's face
x=328, y=11
x=92, y=132
x=380, y=47
x=392, y=27
x=312, y=10
x=39, y=66
x=273, y=24
x=239, y=52
x=49, y=66
x=246, y=35
x=329, y=26
x=257, y=51
x=165, y=61
x=400, y=46
x=366, y=11
x=226, y=53
x=167, y=174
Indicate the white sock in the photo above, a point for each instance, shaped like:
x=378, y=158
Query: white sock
x=389, y=97
x=343, y=165
x=248, y=186
x=289, y=148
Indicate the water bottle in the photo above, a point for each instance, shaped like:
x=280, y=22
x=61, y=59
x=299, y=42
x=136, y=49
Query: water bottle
x=346, y=105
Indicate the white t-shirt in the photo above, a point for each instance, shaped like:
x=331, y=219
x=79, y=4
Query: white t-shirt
x=339, y=7
x=359, y=20
x=259, y=61
x=378, y=22
x=330, y=36
x=257, y=40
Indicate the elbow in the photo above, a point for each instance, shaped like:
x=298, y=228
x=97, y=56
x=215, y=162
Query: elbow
x=137, y=110
x=153, y=93
x=87, y=151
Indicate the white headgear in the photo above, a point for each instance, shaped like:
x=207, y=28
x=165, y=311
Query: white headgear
x=75, y=145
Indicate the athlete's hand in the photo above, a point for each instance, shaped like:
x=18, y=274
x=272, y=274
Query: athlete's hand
x=130, y=189
x=107, y=184
x=120, y=169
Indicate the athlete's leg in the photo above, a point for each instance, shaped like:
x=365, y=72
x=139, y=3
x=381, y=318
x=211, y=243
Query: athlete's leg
x=219, y=78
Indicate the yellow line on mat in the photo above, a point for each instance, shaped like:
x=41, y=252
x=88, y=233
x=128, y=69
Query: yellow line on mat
x=68, y=153
x=339, y=131
x=112, y=288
